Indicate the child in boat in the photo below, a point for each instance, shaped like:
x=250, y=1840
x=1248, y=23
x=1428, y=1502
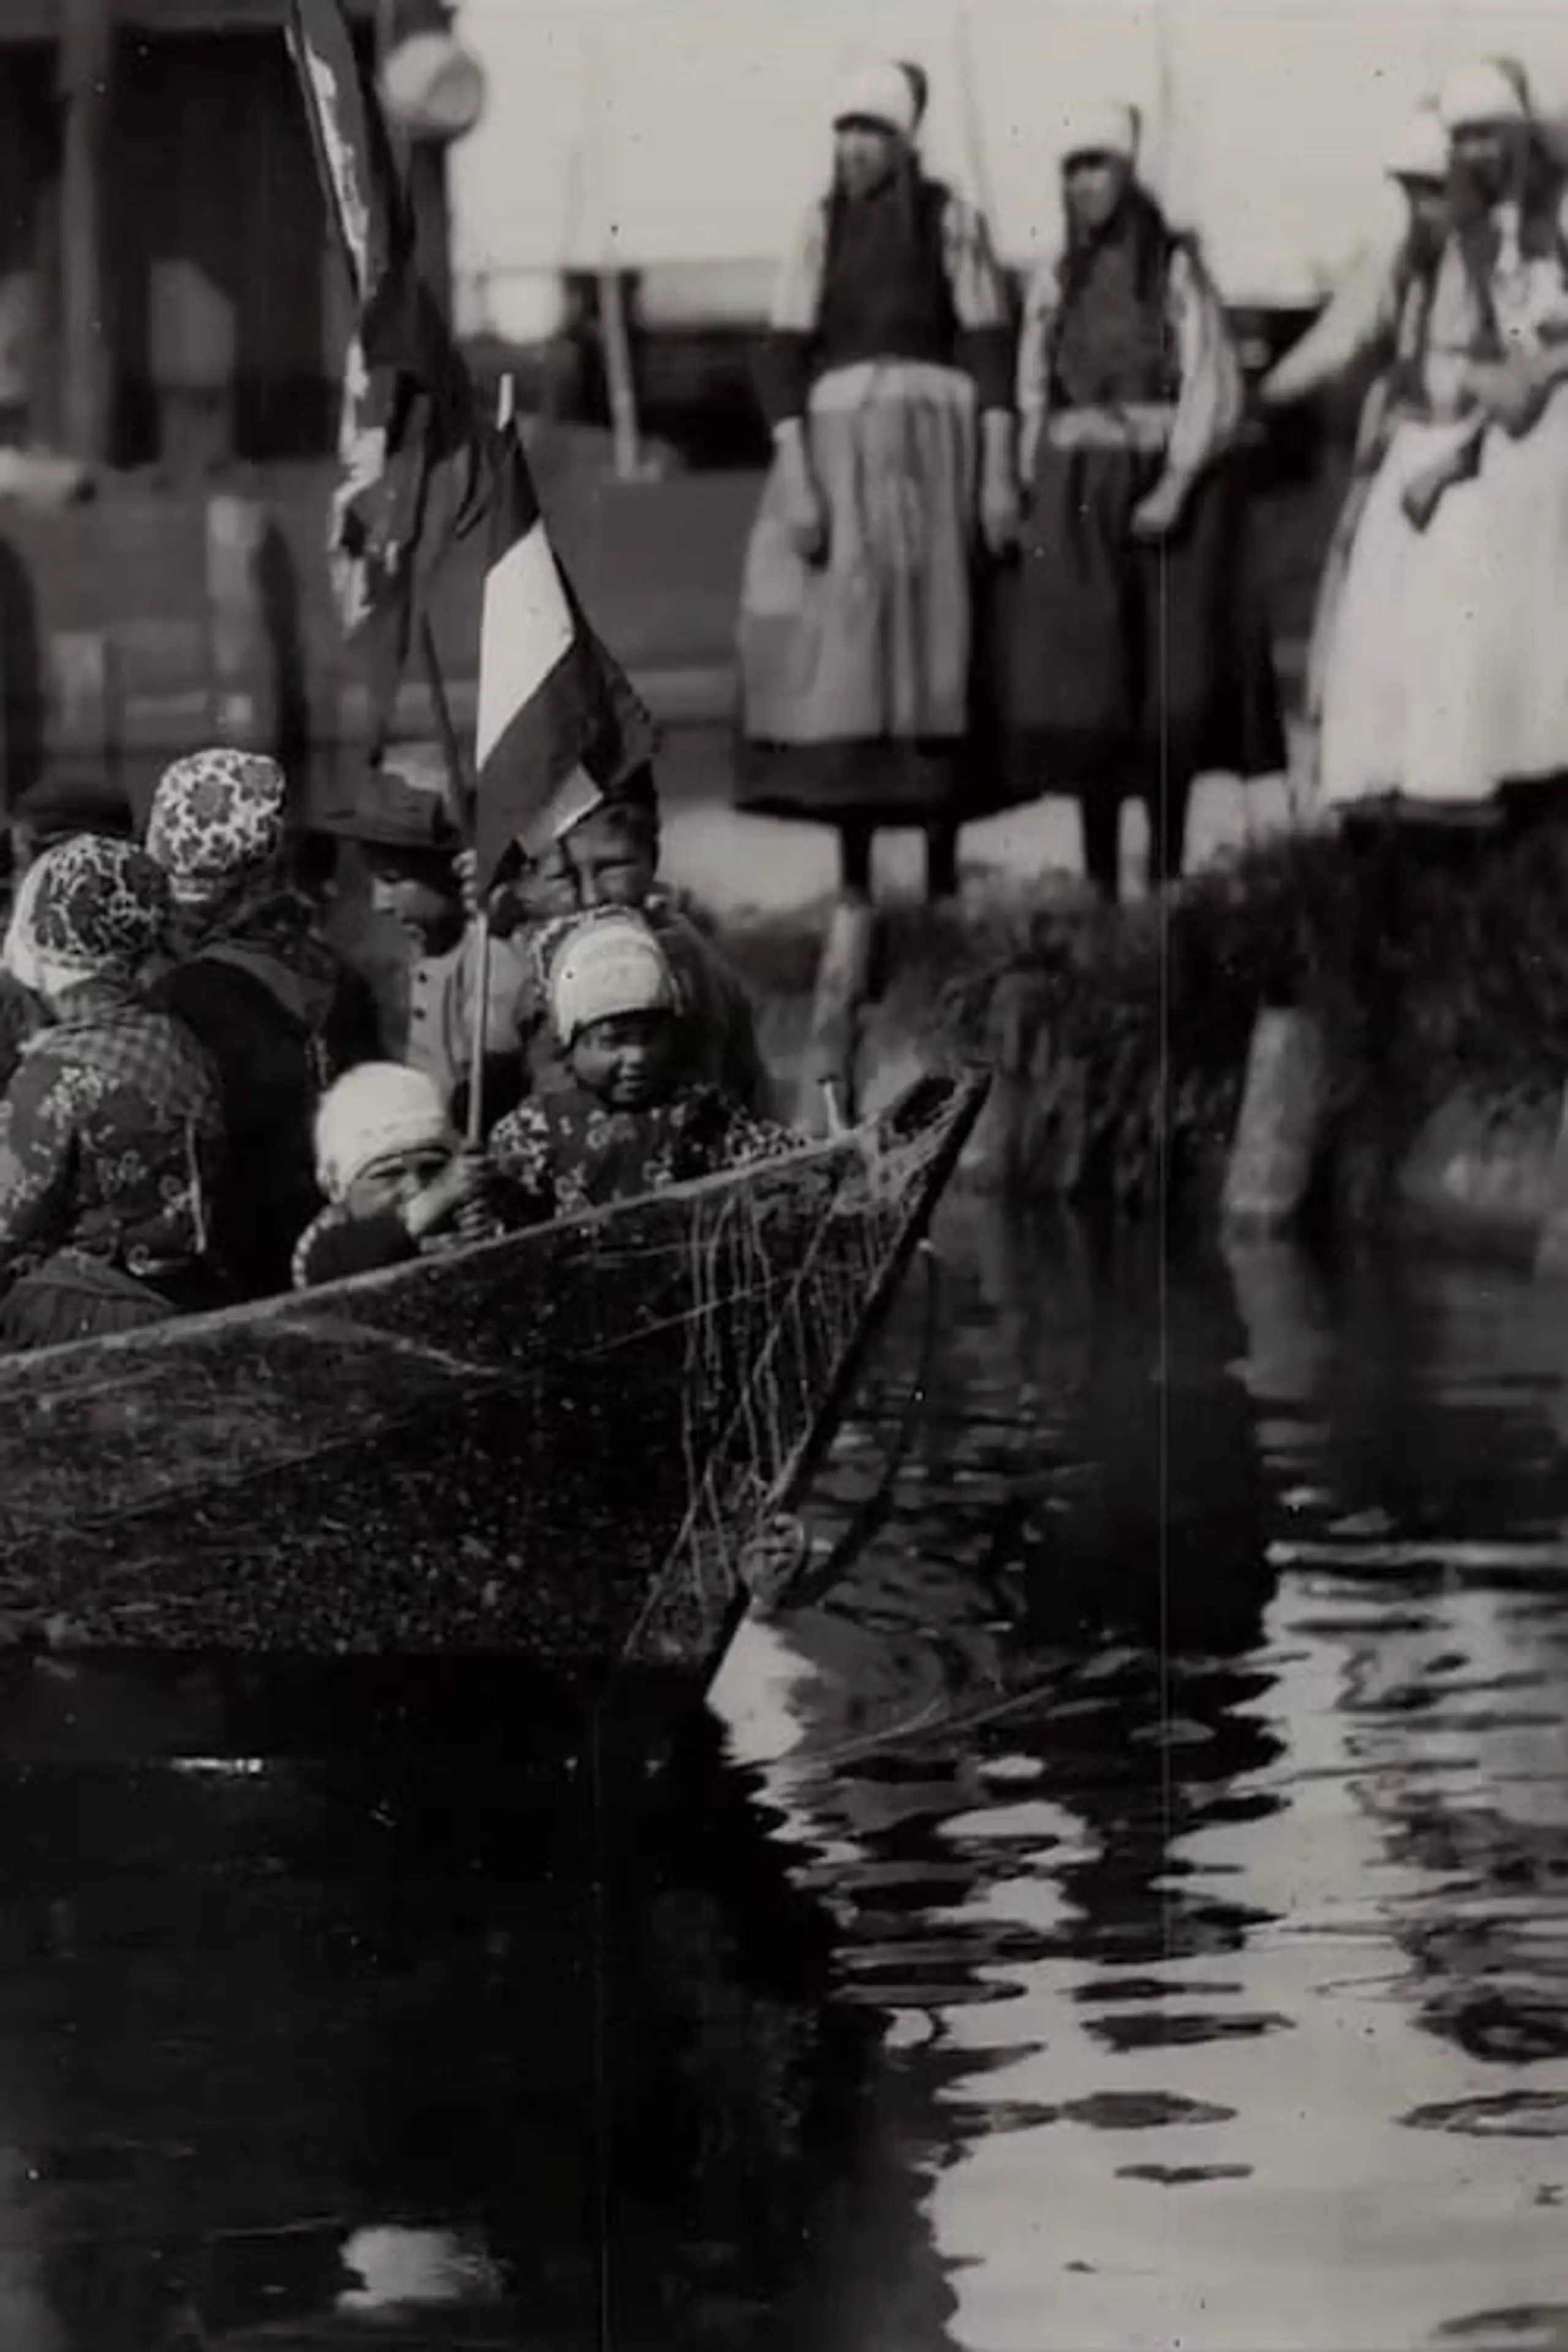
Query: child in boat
x=626, y=1117
x=609, y=857
x=406, y=930
x=398, y=1182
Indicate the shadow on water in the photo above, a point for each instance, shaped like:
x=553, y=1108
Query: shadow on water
x=1132, y=1909
x=271, y=2054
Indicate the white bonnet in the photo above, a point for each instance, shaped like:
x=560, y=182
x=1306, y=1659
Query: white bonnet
x=881, y=93
x=606, y=966
x=371, y=1114
x=1100, y=127
x=1486, y=91
x=1419, y=148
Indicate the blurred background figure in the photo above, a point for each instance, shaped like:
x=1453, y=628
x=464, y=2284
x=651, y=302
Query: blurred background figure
x=1375, y=321
x=1445, y=682
x=885, y=379
x=1139, y=657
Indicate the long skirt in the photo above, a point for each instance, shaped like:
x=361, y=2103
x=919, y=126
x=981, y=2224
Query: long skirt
x=1446, y=677
x=1125, y=662
x=1326, y=604
x=862, y=678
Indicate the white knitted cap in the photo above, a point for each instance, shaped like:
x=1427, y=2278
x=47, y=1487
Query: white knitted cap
x=1419, y=148
x=1486, y=91
x=611, y=965
x=1100, y=126
x=371, y=1114
x=879, y=93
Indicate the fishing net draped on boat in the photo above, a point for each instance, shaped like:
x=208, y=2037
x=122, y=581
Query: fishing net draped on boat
x=562, y=1442
x=786, y=1274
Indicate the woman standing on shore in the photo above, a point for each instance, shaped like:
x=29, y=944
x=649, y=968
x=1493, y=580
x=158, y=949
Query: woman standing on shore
x=1446, y=680
x=1139, y=656
x=1378, y=315
x=887, y=381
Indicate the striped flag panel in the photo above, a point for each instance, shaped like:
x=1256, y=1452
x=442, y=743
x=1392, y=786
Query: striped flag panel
x=559, y=725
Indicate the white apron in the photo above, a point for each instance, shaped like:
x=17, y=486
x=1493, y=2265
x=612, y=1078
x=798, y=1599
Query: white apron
x=1447, y=673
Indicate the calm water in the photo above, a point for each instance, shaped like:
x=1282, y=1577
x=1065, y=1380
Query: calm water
x=1133, y=1912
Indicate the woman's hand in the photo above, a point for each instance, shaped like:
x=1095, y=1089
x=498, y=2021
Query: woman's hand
x=804, y=508
x=1512, y=394
x=1156, y=516
x=999, y=518
x=998, y=502
x=1426, y=490
x=806, y=515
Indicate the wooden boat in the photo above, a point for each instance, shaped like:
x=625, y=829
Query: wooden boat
x=555, y=1448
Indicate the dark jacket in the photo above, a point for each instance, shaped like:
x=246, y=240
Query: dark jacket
x=281, y=1017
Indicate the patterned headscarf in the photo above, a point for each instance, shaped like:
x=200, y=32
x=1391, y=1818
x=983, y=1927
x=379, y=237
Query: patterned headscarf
x=19, y=956
x=100, y=912
x=217, y=827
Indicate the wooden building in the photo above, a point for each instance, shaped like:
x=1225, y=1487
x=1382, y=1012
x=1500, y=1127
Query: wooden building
x=166, y=292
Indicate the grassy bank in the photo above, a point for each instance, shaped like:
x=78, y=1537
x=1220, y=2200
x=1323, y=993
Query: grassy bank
x=1434, y=976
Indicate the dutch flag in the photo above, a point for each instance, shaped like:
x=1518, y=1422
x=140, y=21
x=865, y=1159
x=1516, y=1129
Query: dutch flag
x=559, y=725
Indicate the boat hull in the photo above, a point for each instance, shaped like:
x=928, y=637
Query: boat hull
x=553, y=1448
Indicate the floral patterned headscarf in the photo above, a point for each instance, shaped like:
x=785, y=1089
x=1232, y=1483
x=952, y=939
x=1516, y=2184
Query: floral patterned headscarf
x=100, y=912
x=19, y=956
x=217, y=828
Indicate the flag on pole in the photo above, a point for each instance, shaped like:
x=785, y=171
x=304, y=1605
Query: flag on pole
x=559, y=725
x=409, y=447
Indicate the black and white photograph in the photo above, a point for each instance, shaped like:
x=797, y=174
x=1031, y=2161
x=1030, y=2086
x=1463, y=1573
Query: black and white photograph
x=784, y=1175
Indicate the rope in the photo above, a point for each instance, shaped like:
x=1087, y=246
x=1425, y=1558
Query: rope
x=807, y=1587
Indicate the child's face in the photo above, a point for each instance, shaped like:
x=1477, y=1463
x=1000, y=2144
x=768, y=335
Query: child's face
x=392, y=1182
x=424, y=899
x=605, y=861
x=629, y=1062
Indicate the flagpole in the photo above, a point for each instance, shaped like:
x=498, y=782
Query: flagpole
x=458, y=798
x=505, y=412
x=614, y=334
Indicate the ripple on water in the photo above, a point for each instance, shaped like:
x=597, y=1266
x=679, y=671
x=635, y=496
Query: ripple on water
x=1183, y=2176
x=1265, y=1870
x=1508, y=2114
x=1118, y=2111
x=1527, y=2327
x=1167, y=2030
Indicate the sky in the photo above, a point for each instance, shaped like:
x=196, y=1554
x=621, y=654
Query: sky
x=691, y=131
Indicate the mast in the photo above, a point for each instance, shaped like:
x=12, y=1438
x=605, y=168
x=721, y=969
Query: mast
x=84, y=65
x=614, y=334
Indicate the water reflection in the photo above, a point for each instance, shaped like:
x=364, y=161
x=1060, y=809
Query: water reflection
x=1222, y=1924
x=1131, y=1910
x=295, y=2046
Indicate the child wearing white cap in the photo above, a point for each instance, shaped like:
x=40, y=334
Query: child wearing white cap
x=626, y=1122
x=396, y=1179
